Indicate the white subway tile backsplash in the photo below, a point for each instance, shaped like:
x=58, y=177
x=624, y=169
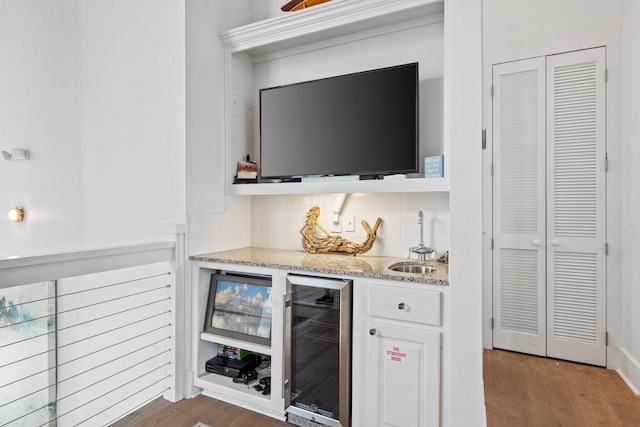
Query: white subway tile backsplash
x=377, y=201
x=276, y=221
x=393, y=207
x=280, y=228
x=388, y=247
x=359, y=200
x=431, y=200
x=290, y=211
x=411, y=202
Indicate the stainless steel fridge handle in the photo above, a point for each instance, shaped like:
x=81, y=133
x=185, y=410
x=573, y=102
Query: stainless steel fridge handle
x=286, y=304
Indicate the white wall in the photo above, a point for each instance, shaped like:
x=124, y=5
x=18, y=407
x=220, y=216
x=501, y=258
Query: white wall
x=205, y=100
x=516, y=30
x=133, y=118
x=39, y=111
x=630, y=309
x=215, y=222
x=265, y=9
x=96, y=91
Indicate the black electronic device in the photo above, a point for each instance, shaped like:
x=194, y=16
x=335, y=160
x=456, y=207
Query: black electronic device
x=231, y=367
x=362, y=124
x=246, y=377
x=264, y=386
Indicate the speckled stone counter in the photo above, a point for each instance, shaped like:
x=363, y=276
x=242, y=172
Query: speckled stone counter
x=345, y=265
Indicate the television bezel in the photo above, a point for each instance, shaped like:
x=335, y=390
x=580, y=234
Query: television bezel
x=216, y=278
x=375, y=174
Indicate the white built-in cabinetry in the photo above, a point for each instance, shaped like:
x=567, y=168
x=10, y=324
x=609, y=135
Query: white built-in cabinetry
x=398, y=335
x=338, y=37
x=397, y=349
x=206, y=344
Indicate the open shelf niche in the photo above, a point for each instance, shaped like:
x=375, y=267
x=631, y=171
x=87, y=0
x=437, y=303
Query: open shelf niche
x=320, y=42
x=206, y=344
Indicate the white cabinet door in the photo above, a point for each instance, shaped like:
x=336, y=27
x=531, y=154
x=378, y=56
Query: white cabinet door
x=403, y=376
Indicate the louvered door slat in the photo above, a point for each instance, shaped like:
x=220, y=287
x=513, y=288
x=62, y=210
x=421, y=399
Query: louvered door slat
x=519, y=291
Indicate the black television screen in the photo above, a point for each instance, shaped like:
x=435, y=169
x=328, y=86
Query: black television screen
x=356, y=124
x=239, y=307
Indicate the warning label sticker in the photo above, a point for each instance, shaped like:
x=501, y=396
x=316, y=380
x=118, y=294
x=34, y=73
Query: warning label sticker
x=394, y=354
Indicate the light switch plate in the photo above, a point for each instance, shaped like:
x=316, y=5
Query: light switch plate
x=349, y=223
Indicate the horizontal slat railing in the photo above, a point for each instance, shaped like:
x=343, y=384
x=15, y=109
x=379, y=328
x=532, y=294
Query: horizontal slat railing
x=110, y=347
x=114, y=342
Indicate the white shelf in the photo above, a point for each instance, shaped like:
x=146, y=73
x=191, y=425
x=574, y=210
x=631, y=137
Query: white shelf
x=210, y=381
x=331, y=19
x=409, y=185
x=249, y=346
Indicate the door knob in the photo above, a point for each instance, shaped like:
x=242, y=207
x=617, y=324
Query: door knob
x=372, y=331
x=555, y=242
x=401, y=306
x=536, y=242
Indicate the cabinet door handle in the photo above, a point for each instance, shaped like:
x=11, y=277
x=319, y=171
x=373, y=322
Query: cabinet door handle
x=401, y=306
x=372, y=331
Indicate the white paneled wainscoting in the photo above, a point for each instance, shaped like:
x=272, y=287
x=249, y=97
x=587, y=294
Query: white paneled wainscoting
x=88, y=337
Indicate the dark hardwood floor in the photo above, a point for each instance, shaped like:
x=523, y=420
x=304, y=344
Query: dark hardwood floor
x=520, y=391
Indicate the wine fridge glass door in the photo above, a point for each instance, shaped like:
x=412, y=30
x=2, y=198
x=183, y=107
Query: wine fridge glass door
x=318, y=349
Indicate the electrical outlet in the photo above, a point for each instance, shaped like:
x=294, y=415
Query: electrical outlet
x=349, y=223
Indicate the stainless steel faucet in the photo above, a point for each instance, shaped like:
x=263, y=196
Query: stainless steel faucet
x=421, y=249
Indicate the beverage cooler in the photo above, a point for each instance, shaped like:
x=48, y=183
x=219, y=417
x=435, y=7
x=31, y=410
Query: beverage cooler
x=318, y=351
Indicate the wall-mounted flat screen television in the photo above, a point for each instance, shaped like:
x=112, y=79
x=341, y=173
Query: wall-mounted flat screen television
x=363, y=124
x=239, y=307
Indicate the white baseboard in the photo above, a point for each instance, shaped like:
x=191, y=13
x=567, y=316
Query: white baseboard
x=484, y=407
x=629, y=370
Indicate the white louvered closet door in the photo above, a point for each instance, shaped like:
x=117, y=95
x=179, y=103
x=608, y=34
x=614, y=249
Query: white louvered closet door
x=519, y=296
x=549, y=206
x=576, y=229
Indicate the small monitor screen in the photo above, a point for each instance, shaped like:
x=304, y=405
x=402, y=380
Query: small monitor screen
x=240, y=307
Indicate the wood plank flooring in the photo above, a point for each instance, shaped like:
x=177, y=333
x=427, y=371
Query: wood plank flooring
x=520, y=391
x=188, y=412
x=523, y=390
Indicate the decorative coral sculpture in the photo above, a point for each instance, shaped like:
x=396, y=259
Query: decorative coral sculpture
x=331, y=243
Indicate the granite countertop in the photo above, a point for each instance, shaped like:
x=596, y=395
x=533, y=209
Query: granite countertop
x=346, y=265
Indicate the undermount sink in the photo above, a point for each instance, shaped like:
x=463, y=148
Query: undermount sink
x=412, y=267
